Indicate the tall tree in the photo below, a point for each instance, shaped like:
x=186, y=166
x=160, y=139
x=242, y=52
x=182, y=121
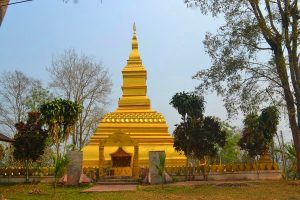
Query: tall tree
x=259, y=131
x=191, y=107
x=255, y=56
x=30, y=140
x=60, y=116
x=197, y=136
x=78, y=78
x=15, y=89
x=252, y=139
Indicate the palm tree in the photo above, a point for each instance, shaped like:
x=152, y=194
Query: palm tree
x=60, y=115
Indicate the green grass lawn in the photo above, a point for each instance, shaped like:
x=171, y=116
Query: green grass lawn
x=266, y=190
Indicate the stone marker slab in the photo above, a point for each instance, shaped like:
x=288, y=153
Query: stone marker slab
x=154, y=161
x=74, y=168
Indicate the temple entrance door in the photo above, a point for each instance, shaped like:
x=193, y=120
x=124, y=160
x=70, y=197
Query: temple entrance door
x=121, y=163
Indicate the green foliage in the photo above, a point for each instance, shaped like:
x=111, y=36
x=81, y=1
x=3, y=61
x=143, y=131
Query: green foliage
x=161, y=167
x=46, y=160
x=30, y=140
x=259, y=131
x=60, y=166
x=38, y=96
x=237, y=72
x=196, y=136
x=290, y=153
x=269, y=120
x=207, y=137
x=188, y=105
x=199, y=139
x=252, y=139
x=60, y=115
x=289, y=161
x=231, y=152
x=191, y=107
x=254, y=57
x=1, y=152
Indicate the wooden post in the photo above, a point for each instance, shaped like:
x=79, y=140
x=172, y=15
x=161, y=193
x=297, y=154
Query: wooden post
x=101, y=161
x=135, y=170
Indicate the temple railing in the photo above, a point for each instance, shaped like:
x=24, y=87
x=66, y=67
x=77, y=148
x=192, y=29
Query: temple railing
x=171, y=170
x=21, y=171
x=228, y=168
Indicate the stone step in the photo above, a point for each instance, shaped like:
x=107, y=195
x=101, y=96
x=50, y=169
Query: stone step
x=118, y=180
x=116, y=177
x=116, y=183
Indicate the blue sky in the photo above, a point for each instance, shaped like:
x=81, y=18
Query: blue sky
x=170, y=39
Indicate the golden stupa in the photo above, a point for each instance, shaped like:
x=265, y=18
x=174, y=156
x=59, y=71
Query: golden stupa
x=123, y=139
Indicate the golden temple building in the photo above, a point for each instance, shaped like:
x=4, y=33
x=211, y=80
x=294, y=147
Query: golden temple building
x=123, y=139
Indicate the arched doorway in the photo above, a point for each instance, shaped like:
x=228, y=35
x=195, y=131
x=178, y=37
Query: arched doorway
x=123, y=163
x=120, y=158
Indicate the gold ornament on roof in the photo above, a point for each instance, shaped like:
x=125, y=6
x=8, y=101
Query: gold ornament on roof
x=134, y=28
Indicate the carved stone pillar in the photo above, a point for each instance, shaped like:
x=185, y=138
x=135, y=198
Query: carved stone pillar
x=101, y=161
x=135, y=170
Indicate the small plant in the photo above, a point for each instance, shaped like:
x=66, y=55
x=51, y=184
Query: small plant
x=60, y=165
x=2, y=197
x=175, y=179
x=161, y=168
x=35, y=191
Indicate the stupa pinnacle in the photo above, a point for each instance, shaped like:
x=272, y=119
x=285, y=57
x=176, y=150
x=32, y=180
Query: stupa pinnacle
x=134, y=81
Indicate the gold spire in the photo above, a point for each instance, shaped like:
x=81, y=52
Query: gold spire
x=134, y=55
x=134, y=28
x=134, y=88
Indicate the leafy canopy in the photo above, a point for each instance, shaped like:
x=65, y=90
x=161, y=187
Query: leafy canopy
x=254, y=57
x=60, y=115
x=231, y=152
x=251, y=52
x=188, y=105
x=30, y=139
x=199, y=139
x=259, y=131
x=197, y=136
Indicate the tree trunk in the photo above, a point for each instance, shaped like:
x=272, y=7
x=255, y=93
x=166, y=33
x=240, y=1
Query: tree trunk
x=282, y=149
x=290, y=102
x=162, y=179
x=57, y=157
x=27, y=171
x=187, y=149
x=57, y=150
x=186, y=168
x=296, y=139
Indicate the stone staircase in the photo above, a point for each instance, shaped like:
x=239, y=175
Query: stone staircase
x=117, y=180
